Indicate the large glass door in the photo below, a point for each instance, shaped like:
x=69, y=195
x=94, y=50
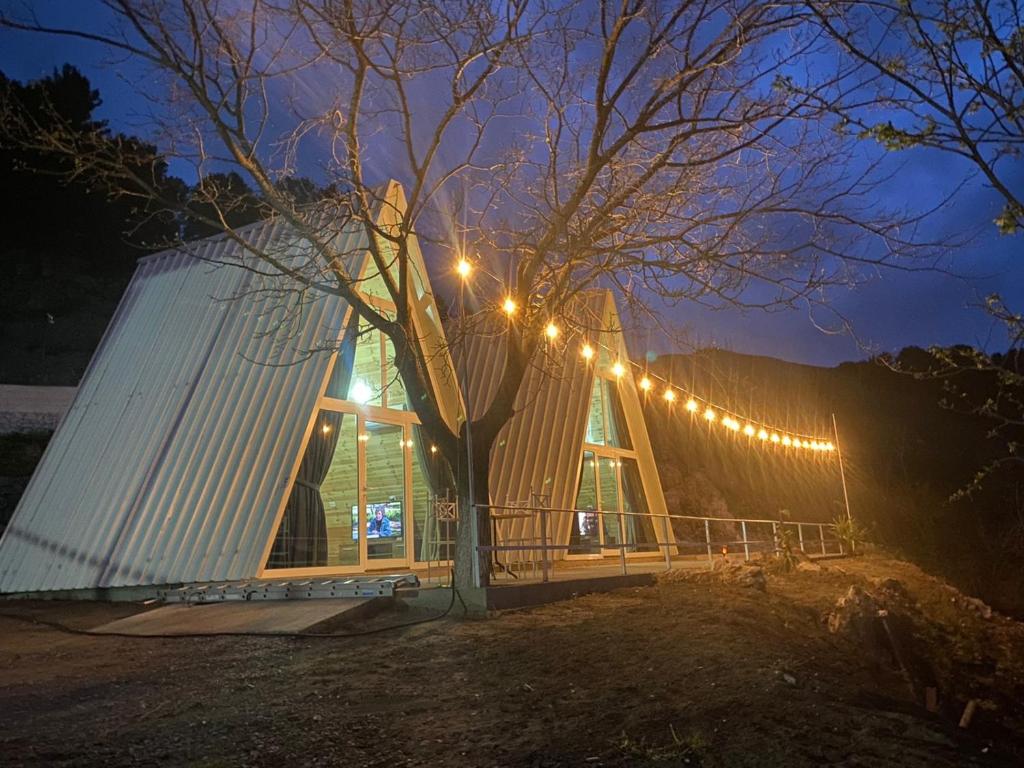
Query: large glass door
x=384, y=449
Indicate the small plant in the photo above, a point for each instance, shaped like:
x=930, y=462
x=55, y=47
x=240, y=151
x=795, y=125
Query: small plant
x=850, y=533
x=680, y=751
x=786, y=547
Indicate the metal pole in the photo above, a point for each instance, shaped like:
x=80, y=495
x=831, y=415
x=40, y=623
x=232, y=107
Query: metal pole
x=544, y=543
x=821, y=535
x=775, y=538
x=668, y=547
x=842, y=472
x=746, y=546
x=622, y=543
x=707, y=538
x=800, y=535
x=474, y=521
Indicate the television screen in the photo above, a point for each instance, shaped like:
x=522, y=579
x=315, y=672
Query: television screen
x=383, y=520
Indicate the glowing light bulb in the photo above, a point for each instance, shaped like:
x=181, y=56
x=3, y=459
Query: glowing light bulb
x=645, y=384
x=463, y=268
x=762, y=434
x=748, y=431
x=551, y=331
x=691, y=405
x=775, y=438
x=433, y=449
x=509, y=307
x=733, y=425
x=670, y=395
x=364, y=437
x=326, y=429
x=360, y=392
x=787, y=440
x=618, y=370
x=798, y=443
x=710, y=415
x=829, y=447
x=587, y=351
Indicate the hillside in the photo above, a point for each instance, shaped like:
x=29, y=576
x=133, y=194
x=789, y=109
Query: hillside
x=905, y=456
x=704, y=669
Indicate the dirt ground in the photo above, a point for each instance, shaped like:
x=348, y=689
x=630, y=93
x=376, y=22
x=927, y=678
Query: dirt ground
x=706, y=673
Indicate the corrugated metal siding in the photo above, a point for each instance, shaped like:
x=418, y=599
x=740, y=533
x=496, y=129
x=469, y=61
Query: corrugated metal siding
x=172, y=461
x=539, y=450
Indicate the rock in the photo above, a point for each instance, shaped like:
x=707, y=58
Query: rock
x=808, y=566
x=752, y=576
x=891, y=588
x=976, y=605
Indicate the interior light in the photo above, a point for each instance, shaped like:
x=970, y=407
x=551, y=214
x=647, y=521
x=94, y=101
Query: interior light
x=360, y=392
x=587, y=351
x=326, y=429
x=509, y=307
x=464, y=268
x=552, y=331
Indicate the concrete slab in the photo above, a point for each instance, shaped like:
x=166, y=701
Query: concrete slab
x=265, y=616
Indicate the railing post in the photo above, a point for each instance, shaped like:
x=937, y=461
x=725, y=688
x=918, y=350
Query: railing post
x=746, y=546
x=800, y=535
x=666, y=544
x=821, y=535
x=544, y=543
x=707, y=538
x=775, y=538
x=622, y=542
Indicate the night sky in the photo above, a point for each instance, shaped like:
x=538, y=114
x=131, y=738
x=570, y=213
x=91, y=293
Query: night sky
x=892, y=311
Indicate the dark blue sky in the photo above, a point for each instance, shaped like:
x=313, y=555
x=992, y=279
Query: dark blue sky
x=891, y=311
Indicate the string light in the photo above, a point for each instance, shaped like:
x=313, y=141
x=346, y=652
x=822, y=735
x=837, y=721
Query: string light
x=433, y=449
x=361, y=393
x=327, y=429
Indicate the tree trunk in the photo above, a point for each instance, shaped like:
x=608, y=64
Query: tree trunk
x=465, y=547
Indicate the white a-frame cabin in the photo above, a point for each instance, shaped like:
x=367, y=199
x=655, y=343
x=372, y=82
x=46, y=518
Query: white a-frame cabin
x=229, y=427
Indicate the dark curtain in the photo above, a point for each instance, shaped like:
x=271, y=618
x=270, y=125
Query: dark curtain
x=441, y=482
x=302, y=538
x=307, y=525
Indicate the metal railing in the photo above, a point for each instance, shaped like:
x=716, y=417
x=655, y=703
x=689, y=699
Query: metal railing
x=526, y=538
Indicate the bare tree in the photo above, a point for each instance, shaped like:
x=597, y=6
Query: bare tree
x=946, y=74
x=640, y=145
